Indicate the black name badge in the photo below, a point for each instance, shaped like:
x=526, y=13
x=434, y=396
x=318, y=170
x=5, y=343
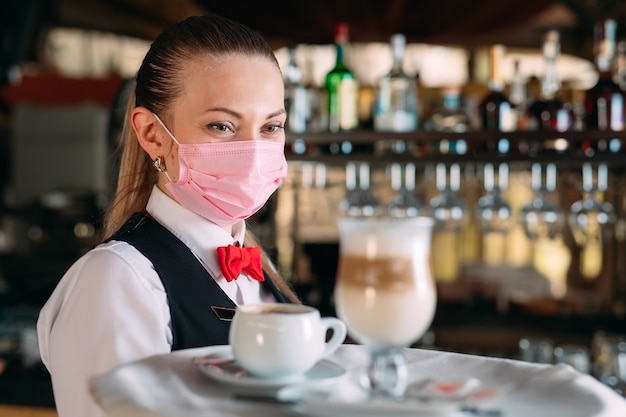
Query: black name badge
x=224, y=313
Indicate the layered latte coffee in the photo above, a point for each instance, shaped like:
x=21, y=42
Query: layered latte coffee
x=385, y=291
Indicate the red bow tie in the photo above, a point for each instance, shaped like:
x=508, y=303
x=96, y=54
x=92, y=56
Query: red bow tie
x=233, y=260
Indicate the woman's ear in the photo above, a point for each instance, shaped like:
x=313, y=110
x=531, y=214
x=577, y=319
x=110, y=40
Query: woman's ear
x=147, y=130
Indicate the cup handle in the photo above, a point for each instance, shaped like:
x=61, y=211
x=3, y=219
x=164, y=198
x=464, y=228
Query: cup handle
x=339, y=334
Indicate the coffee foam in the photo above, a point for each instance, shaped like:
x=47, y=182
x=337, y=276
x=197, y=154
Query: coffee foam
x=385, y=239
x=381, y=246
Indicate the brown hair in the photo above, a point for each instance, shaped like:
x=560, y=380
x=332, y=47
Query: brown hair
x=157, y=85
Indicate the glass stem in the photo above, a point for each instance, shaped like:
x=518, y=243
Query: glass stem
x=455, y=177
x=396, y=177
x=364, y=176
x=387, y=374
x=409, y=177
x=350, y=176
x=551, y=177
x=535, y=179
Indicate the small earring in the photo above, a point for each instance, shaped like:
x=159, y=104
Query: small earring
x=159, y=164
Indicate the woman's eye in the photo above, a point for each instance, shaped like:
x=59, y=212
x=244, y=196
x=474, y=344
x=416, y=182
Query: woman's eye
x=220, y=127
x=274, y=128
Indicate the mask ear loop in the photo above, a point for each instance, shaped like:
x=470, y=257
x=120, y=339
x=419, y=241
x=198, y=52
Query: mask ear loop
x=166, y=129
x=159, y=161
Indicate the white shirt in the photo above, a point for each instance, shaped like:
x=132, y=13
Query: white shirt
x=111, y=307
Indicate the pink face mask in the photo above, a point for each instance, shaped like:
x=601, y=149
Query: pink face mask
x=227, y=181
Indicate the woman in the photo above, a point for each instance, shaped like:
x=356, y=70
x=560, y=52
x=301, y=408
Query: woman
x=203, y=151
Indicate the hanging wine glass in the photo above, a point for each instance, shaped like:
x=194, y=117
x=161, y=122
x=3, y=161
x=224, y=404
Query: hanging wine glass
x=540, y=217
x=492, y=210
x=405, y=203
x=314, y=175
x=314, y=203
x=448, y=209
x=591, y=220
x=360, y=201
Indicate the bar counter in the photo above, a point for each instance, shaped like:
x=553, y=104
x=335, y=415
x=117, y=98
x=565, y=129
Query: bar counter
x=24, y=411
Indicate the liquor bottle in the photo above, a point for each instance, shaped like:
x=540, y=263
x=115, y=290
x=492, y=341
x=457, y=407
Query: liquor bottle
x=449, y=117
x=518, y=96
x=395, y=108
x=342, y=88
x=295, y=95
x=316, y=101
x=495, y=108
x=548, y=112
x=620, y=75
x=604, y=102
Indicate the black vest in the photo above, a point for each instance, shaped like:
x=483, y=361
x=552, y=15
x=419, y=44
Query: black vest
x=200, y=311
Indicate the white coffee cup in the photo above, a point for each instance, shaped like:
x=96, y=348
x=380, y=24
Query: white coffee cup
x=282, y=341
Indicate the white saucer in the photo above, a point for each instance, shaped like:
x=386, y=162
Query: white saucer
x=220, y=365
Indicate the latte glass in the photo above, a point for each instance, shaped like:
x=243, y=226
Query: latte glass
x=385, y=292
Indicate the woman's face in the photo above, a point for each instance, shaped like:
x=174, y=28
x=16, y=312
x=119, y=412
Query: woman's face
x=233, y=98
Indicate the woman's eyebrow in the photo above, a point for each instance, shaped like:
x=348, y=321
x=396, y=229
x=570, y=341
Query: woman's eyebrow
x=277, y=113
x=239, y=116
x=225, y=110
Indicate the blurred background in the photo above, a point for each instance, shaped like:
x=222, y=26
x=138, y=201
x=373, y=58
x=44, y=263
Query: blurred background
x=503, y=120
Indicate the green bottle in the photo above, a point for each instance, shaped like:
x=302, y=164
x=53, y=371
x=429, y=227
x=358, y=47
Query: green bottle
x=342, y=88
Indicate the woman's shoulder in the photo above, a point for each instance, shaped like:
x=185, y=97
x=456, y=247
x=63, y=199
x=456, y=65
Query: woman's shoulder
x=111, y=291
x=111, y=271
x=111, y=262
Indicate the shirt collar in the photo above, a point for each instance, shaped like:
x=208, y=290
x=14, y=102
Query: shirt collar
x=200, y=235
